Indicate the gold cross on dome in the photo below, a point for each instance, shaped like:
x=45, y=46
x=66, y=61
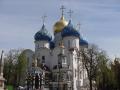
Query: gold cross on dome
x=62, y=9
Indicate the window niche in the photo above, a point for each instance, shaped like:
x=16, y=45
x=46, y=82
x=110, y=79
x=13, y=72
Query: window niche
x=43, y=59
x=68, y=43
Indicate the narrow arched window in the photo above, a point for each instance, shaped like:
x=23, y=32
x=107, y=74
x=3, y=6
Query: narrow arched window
x=68, y=43
x=43, y=59
x=75, y=72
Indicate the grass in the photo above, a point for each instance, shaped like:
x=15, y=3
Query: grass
x=10, y=87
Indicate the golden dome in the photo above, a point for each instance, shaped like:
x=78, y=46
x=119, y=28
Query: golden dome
x=60, y=25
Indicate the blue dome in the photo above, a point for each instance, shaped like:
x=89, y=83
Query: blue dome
x=83, y=42
x=43, y=34
x=69, y=30
x=52, y=45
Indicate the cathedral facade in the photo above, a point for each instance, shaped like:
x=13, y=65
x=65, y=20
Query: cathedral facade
x=56, y=63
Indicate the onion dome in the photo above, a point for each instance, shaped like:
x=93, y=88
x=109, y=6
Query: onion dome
x=58, y=27
x=83, y=42
x=52, y=45
x=69, y=30
x=43, y=34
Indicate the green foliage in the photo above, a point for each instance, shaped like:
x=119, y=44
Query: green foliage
x=9, y=65
x=105, y=78
x=14, y=67
x=21, y=67
x=115, y=68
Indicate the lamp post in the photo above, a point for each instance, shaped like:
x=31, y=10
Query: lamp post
x=36, y=81
x=41, y=80
x=32, y=80
x=28, y=81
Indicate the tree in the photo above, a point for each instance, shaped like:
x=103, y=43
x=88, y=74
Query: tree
x=15, y=66
x=8, y=72
x=9, y=67
x=105, y=76
x=115, y=67
x=21, y=67
x=90, y=58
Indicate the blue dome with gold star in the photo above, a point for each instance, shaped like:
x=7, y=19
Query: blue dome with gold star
x=83, y=42
x=69, y=30
x=43, y=34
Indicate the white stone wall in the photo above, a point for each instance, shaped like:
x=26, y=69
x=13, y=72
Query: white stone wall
x=75, y=69
x=51, y=56
x=39, y=44
x=54, y=58
x=71, y=42
x=57, y=39
x=30, y=57
x=43, y=51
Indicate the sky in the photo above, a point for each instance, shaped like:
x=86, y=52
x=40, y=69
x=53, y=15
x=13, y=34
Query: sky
x=99, y=19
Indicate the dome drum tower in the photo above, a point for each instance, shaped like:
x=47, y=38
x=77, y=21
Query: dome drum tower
x=42, y=38
x=70, y=36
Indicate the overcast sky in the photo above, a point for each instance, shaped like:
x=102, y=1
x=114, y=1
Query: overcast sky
x=21, y=19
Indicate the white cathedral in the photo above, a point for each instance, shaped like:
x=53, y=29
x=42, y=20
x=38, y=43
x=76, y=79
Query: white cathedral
x=56, y=63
